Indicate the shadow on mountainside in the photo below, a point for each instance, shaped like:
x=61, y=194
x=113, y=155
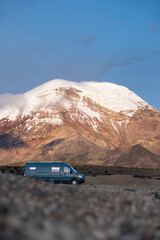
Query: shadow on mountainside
x=53, y=143
x=8, y=141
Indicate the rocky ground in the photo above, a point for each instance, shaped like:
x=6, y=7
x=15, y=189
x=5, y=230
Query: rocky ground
x=105, y=207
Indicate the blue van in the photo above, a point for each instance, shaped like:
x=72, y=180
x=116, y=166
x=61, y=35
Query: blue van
x=58, y=172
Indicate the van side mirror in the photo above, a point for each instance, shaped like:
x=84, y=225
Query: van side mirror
x=71, y=171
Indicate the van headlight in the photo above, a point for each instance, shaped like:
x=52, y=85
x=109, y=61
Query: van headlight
x=80, y=176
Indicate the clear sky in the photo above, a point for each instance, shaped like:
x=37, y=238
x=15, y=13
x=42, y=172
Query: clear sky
x=116, y=41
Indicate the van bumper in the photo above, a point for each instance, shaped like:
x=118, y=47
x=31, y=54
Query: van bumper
x=81, y=180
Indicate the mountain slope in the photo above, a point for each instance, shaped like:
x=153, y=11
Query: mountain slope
x=75, y=149
x=110, y=117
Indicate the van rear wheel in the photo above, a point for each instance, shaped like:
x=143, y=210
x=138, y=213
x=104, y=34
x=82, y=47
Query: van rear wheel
x=74, y=181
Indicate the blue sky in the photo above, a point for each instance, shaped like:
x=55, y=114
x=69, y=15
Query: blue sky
x=116, y=41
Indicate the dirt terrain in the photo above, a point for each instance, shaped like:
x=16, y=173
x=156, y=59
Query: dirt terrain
x=105, y=207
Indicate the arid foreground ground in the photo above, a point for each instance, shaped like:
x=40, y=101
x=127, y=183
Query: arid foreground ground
x=105, y=207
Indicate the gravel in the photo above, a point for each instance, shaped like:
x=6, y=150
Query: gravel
x=100, y=209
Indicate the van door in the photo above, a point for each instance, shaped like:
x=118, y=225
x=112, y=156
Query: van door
x=55, y=174
x=67, y=174
x=42, y=171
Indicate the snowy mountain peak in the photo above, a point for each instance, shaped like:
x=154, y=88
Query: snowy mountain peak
x=53, y=93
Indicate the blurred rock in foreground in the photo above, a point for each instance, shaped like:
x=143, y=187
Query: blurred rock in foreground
x=34, y=209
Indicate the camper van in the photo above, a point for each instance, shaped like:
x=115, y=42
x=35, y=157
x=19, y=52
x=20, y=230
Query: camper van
x=58, y=172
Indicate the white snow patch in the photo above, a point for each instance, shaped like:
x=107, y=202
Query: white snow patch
x=130, y=114
x=53, y=120
x=94, y=125
x=28, y=126
x=71, y=116
x=114, y=126
x=125, y=122
x=88, y=111
x=40, y=121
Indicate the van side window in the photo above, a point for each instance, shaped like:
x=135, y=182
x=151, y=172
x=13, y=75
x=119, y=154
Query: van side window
x=42, y=169
x=55, y=169
x=32, y=168
x=67, y=170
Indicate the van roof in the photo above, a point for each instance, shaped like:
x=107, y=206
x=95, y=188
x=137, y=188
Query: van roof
x=46, y=163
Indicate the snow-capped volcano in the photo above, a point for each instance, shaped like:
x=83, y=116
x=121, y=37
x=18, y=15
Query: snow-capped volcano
x=111, y=96
x=89, y=121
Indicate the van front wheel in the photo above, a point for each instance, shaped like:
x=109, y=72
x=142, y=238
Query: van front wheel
x=74, y=181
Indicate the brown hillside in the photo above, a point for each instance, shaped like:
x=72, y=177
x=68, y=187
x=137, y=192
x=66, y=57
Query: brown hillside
x=76, y=149
x=138, y=156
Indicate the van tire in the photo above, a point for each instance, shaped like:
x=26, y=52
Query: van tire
x=74, y=181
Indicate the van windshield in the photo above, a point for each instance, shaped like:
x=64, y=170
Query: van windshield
x=73, y=169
